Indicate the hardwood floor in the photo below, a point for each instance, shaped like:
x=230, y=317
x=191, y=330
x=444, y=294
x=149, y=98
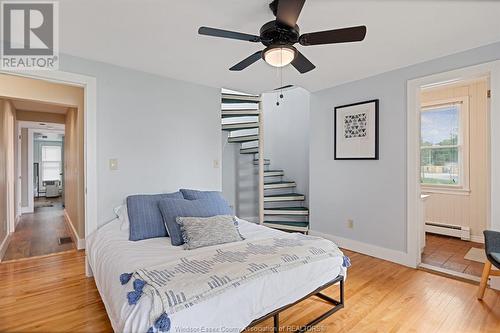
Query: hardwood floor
x=52, y=294
x=38, y=234
x=448, y=252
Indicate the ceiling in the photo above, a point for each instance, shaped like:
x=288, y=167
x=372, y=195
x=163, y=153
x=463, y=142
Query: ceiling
x=160, y=37
x=26, y=105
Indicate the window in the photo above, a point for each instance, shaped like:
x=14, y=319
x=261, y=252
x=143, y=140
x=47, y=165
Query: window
x=443, y=145
x=51, y=163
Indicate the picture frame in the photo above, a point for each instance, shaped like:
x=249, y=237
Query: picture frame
x=356, y=131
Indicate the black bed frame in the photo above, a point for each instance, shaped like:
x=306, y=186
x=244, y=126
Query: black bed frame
x=337, y=306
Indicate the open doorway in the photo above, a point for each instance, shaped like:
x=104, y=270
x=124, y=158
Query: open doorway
x=48, y=200
x=445, y=167
x=454, y=175
x=41, y=228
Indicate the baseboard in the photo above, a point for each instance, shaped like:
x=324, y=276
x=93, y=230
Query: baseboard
x=477, y=239
x=80, y=243
x=4, y=245
x=16, y=222
x=398, y=257
x=25, y=210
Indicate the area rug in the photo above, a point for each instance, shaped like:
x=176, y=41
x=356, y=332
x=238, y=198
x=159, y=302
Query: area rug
x=476, y=254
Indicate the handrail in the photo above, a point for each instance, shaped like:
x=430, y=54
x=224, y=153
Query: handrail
x=261, y=162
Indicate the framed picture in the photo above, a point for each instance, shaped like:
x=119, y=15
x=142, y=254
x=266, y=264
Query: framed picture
x=356, y=131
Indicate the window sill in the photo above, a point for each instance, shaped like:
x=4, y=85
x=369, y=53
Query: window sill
x=444, y=190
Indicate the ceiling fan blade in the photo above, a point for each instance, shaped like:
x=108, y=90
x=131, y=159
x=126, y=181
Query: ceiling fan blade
x=344, y=35
x=302, y=64
x=289, y=11
x=247, y=61
x=284, y=87
x=228, y=34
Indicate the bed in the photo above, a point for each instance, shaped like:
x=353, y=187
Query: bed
x=110, y=253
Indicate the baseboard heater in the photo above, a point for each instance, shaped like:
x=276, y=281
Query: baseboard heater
x=448, y=230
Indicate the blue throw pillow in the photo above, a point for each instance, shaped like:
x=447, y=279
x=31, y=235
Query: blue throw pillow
x=215, y=197
x=173, y=208
x=145, y=216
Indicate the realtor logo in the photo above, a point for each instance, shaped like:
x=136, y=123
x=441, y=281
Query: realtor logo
x=29, y=35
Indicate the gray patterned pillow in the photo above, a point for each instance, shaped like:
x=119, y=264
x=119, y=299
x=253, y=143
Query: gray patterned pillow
x=206, y=231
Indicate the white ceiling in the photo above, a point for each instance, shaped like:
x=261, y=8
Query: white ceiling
x=26, y=105
x=160, y=37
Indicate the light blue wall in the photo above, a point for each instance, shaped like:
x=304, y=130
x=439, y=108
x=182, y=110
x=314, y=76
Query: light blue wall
x=372, y=193
x=165, y=133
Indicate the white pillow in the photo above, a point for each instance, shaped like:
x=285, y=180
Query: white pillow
x=122, y=214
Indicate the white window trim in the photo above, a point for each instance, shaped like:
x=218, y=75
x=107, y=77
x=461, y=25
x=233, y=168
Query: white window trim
x=42, y=161
x=463, y=144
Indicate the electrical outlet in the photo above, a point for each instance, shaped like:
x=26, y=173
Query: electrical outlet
x=350, y=223
x=113, y=164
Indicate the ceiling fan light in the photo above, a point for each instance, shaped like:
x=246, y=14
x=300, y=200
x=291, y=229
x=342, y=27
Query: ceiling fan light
x=279, y=56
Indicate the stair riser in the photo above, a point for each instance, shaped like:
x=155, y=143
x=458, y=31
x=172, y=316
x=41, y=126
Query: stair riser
x=249, y=151
x=274, y=174
x=279, y=199
x=246, y=139
x=229, y=98
x=279, y=186
x=287, y=228
x=233, y=127
x=286, y=212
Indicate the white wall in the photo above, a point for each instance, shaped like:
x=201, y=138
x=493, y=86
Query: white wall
x=286, y=135
x=165, y=133
x=372, y=193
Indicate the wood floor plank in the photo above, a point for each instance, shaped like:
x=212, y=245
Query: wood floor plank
x=52, y=294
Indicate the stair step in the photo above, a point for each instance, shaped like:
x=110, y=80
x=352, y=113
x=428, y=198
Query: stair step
x=287, y=211
x=274, y=173
x=288, y=225
x=284, y=197
x=238, y=126
x=266, y=162
x=252, y=150
x=233, y=98
x=239, y=113
x=274, y=185
x=243, y=138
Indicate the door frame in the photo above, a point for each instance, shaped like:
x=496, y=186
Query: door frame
x=490, y=69
x=32, y=127
x=89, y=85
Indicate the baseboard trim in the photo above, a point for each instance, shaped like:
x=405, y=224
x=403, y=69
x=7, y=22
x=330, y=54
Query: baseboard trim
x=398, y=257
x=26, y=210
x=4, y=245
x=80, y=243
x=477, y=239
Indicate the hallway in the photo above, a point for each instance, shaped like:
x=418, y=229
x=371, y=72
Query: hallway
x=38, y=234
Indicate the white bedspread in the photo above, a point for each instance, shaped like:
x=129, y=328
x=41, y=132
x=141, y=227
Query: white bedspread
x=110, y=253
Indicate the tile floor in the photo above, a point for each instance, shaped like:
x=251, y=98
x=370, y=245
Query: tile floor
x=448, y=252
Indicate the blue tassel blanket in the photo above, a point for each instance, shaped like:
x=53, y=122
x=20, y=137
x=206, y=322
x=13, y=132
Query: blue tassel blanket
x=185, y=282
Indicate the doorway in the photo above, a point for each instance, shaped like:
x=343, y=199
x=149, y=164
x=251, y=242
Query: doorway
x=49, y=177
x=440, y=226
x=41, y=229
x=454, y=174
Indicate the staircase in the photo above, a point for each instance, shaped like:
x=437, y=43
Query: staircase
x=280, y=207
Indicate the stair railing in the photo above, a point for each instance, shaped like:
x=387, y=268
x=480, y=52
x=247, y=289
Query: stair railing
x=261, y=162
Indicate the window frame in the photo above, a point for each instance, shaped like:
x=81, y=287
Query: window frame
x=463, y=146
x=42, y=162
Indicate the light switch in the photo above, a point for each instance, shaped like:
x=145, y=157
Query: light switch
x=216, y=164
x=113, y=164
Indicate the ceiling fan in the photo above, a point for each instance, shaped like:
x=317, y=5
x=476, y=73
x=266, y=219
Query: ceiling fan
x=281, y=34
